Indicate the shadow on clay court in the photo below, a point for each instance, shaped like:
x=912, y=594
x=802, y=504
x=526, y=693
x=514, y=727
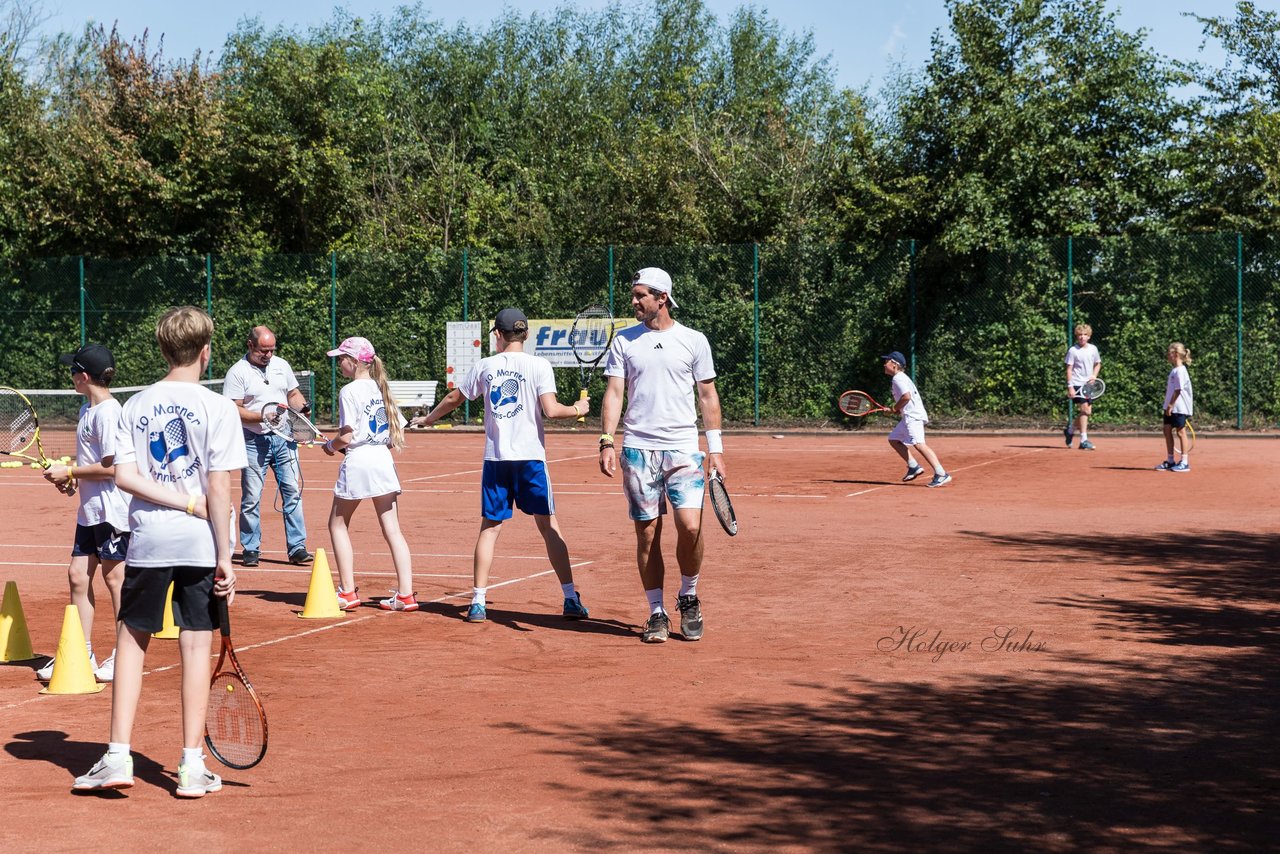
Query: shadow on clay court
x=523, y=621
x=857, y=482
x=77, y=757
x=294, y=599
x=1131, y=751
x=1150, y=468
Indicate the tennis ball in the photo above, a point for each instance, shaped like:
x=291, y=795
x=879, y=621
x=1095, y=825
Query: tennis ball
x=230, y=688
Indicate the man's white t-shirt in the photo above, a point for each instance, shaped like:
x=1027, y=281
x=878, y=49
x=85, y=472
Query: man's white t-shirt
x=100, y=500
x=255, y=387
x=177, y=433
x=511, y=384
x=1082, y=361
x=1179, y=380
x=662, y=370
x=914, y=409
x=361, y=407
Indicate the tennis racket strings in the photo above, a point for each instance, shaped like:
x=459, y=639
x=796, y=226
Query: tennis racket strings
x=591, y=334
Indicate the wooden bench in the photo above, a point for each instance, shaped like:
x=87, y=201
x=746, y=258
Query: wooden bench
x=414, y=394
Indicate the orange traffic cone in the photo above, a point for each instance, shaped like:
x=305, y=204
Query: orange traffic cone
x=322, y=598
x=72, y=672
x=15, y=641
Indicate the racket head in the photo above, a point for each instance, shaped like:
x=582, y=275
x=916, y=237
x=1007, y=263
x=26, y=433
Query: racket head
x=289, y=423
x=721, y=504
x=591, y=335
x=19, y=425
x=1093, y=389
x=235, y=728
x=858, y=403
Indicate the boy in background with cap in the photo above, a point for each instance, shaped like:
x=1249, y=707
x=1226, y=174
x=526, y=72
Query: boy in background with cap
x=519, y=391
x=909, y=432
x=102, y=522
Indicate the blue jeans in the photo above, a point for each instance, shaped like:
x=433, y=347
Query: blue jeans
x=270, y=450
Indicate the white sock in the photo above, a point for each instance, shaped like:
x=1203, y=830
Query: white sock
x=478, y=594
x=568, y=590
x=193, y=757
x=1084, y=437
x=655, y=600
x=939, y=472
x=688, y=585
x=117, y=749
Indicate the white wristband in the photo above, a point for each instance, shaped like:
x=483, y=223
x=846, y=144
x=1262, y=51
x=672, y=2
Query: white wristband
x=714, y=443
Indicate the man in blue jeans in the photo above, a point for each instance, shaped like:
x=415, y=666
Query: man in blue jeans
x=259, y=379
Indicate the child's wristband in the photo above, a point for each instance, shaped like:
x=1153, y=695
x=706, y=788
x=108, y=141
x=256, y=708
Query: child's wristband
x=715, y=445
x=191, y=506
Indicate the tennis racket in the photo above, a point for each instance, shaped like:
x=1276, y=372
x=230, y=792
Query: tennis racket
x=290, y=424
x=1092, y=390
x=859, y=403
x=590, y=337
x=721, y=504
x=236, y=728
x=20, y=431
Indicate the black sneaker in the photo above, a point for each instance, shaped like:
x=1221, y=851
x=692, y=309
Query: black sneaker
x=658, y=629
x=300, y=556
x=1068, y=435
x=690, y=617
x=912, y=473
x=249, y=558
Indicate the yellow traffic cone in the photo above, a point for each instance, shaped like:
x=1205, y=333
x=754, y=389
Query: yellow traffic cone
x=72, y=672
x=169, y=630
x=15, y=641
x=322, y=598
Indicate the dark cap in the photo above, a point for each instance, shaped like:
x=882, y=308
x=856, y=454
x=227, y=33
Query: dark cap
x=91, y=359
x=896, y=357
x=511, y=320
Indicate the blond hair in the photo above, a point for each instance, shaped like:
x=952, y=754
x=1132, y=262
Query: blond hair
x=182, y=333
x=1085, y=328
x=1183, y=353
x=378, y=374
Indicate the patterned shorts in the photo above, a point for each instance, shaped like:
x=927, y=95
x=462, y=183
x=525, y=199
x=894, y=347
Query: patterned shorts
x=652, y=478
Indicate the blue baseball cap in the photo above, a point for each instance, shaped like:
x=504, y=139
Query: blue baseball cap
x=897, y=357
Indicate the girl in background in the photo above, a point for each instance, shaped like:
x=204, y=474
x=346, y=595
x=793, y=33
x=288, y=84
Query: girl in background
x=370, y=426
x=1178, y=406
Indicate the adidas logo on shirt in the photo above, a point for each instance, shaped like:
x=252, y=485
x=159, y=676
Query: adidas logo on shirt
x=658, y=346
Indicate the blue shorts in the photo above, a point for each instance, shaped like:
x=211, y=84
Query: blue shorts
x=101, y=540
x=1176, y=420
x=515, y=483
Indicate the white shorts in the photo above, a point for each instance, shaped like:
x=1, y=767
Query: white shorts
x=910, y=431
x=367, y=471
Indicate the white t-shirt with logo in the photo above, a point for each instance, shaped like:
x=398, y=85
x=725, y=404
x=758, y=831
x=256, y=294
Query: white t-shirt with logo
x=1082, y=361
x=914, y=409
x=177, y=433
x=361, y=407
x=1179, y=380
x=255, y=387
x=662, y=370
x=511, y=384
x=100, y=500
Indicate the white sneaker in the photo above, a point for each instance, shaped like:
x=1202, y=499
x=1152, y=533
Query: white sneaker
x=44, y=674
x=106, y=672
x=106, y=774
x=197, y=781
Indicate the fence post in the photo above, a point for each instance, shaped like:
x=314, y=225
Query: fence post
x=611, y=278
x=911, y=297
x=208, y=300
x=466, y=308
x=333, y=334
x=755, y=299
x=83, y=332
x=1071, y=404
x=1239, y=331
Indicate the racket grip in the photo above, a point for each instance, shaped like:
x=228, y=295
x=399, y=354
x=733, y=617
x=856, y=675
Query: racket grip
x=582, y=419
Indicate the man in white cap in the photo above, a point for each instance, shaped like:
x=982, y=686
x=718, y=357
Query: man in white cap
x=667, y=374
x=261, y=378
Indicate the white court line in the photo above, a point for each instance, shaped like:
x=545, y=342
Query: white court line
x=479, y=470
x=316, y=630
x=962, y=468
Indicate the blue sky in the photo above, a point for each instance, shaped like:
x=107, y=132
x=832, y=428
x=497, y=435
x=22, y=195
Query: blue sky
x=862, y=37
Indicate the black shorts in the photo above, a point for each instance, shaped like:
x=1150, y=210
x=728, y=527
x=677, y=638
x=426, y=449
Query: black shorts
x=1176, y=420
x=1078, y=398
x=101, y=540
x=145, y=588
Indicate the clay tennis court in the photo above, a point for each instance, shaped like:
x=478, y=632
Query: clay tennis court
x=1059, y=650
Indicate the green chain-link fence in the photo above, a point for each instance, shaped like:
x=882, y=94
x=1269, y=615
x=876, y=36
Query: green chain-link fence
x=790, y=326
